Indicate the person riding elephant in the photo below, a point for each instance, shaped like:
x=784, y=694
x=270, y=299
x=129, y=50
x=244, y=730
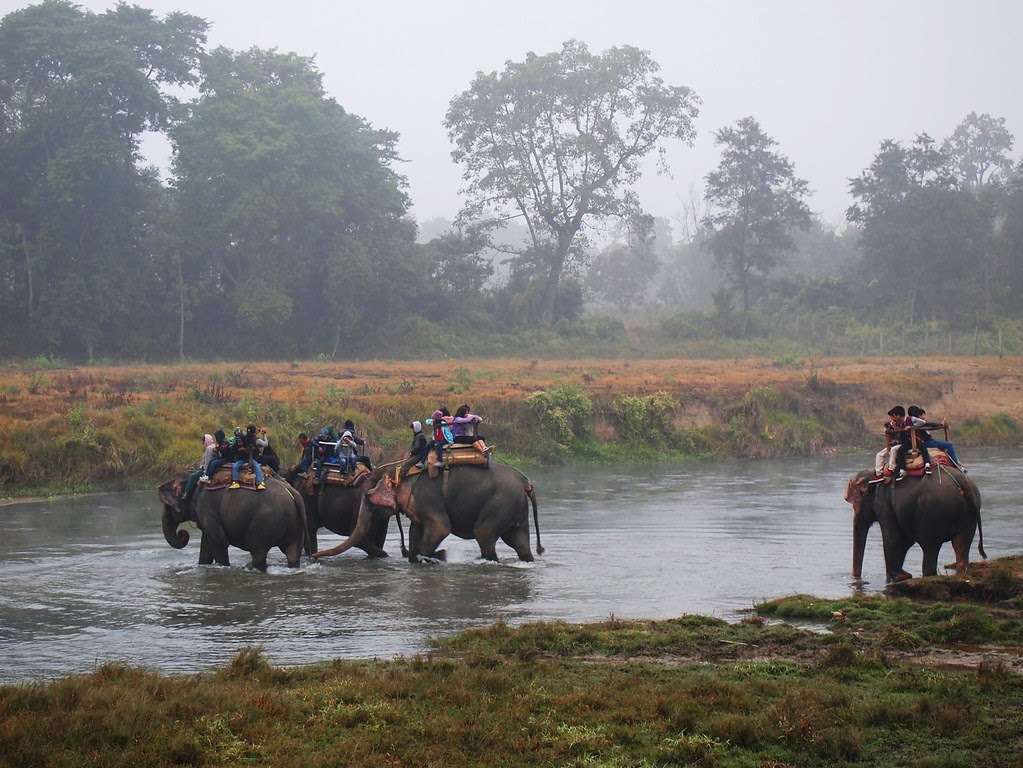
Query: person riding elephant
x=255, y=522
x=336, y=508
x=927, y=510
x=467, y=501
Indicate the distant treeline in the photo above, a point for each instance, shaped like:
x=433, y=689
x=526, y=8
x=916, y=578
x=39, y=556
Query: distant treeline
x=284, y=230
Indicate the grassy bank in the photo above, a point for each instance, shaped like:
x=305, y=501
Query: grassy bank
x=874, y=682
x=111, y=428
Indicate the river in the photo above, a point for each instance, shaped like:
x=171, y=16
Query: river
x=91, y=579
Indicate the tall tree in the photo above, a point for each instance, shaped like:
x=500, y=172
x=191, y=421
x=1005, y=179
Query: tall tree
x=1009, y=241
x=978, y=149
x=978, y=156
x=756, y=201
x=77, y=91
x=558, y=139
x=920, y=231
x=291, y=209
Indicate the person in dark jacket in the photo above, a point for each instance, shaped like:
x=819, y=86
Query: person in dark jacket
x=265, y=454
x=917, y=421
x=305, y=459
x=418, y=440
x=245, y=453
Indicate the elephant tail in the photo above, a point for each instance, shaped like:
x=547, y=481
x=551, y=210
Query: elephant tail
x=973, y=500
x=536, y=516
x=980, y=532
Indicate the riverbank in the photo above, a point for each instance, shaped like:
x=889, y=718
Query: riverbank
x=870, y=681
x=125, y=427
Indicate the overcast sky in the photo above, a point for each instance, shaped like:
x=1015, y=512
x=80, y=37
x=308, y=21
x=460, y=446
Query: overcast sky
x=827, y=80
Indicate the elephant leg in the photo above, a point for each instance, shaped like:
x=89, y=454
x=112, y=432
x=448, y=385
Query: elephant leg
x=488, y=548
x=372, y=550
x=212, y=550
x=205, y=551
x=486, y=536
x=518, y=539
x=433, y=533
x=259, y=558
x=293, y=551
x=896, y=544
x=894, y=557
x=930, y=564
x=961, y=544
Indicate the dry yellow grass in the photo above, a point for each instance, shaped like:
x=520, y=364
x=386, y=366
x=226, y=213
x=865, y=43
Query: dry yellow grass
x=957, y=387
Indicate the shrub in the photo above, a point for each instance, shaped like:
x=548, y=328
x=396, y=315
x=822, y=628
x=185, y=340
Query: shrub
x=636, y=417
x=565, y=414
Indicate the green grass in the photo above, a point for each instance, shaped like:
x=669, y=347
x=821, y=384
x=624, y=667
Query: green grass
x=688, y=691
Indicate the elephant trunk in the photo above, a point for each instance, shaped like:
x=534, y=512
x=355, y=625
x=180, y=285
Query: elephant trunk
x=177, y=539
x=859, y=546
x=362, y=525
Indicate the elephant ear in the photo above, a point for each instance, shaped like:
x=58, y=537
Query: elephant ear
x=857, y=488
x=170, y=493
x=382, y=494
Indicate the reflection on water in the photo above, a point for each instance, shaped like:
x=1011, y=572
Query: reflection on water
x=89, y=580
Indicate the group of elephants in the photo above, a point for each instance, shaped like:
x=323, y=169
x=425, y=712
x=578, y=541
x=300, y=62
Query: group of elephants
x=491, y=504
x=470, y=502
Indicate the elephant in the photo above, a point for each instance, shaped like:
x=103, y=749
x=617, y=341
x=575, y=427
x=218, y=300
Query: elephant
x=252, y=520
x=472, y=502
x=927, y=510
x=336, y=508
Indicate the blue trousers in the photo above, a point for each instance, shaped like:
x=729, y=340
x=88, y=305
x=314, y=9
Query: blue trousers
x=946, y=446
x=253, y=465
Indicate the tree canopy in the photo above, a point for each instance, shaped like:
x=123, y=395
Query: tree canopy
x=292, y=202
x=284, y=226
x=756, y=200
x=556, y=139
x=77, y=91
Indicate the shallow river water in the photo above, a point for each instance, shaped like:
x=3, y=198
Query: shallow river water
x=89, y=580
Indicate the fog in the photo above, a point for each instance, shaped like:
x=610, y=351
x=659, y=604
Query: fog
x=827, y=81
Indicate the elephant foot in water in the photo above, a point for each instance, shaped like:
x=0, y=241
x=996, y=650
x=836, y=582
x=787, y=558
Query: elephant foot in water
x=439, y=556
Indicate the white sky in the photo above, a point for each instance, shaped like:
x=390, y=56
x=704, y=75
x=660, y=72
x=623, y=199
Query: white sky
x=827, y=80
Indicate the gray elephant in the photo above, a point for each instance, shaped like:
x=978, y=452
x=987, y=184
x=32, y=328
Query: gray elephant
x=252, y=520
x=927, y=510
x=471, y=502
x=336, y=508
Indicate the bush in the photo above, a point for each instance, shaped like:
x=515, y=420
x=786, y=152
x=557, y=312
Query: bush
x=637, y=417
x=565, y=414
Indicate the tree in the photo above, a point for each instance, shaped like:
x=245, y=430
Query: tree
x=978, y=149
x=460, y=266
x=756, y=201
x=294, y=219
x=77, y=90
x=1010, y=245
x=622, y=272
x=921, y=231
x=558, y=139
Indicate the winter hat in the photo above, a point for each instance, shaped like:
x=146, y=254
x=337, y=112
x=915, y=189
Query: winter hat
x=207, y=441
x=417, y=427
